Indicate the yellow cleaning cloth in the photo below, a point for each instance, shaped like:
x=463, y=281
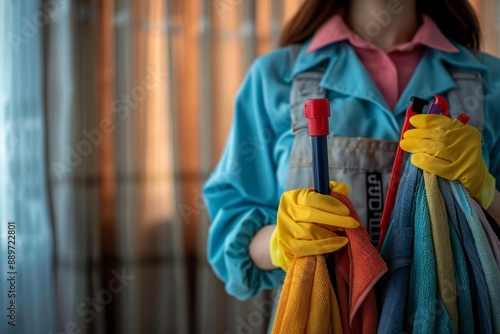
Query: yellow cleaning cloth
x=442, y=247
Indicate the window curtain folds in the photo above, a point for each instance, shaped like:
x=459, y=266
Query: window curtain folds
x=23, y=177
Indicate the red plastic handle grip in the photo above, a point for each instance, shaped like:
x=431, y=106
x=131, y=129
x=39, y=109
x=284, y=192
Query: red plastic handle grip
x=317, y=112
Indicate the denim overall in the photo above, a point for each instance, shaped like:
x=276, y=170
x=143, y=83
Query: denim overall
x=364, y=164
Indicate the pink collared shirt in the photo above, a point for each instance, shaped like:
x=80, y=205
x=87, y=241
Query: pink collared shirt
x=392, y=70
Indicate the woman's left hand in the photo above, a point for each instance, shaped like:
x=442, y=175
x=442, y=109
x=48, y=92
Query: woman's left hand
x=452, y=150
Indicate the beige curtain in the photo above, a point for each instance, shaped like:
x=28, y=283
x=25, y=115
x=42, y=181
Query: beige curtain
x=489, y=16
x=120, y=256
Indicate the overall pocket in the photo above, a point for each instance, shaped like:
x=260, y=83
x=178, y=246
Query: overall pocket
x=364, y=164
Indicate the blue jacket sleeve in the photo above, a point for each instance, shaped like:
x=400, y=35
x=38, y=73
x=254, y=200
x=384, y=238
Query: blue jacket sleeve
x=242, y=194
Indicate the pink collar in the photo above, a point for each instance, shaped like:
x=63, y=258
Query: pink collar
x=335, y=30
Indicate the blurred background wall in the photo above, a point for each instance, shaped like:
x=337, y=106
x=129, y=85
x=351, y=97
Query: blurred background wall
x=112, y=114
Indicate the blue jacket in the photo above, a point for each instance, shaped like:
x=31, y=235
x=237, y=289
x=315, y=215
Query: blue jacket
x=244, y=190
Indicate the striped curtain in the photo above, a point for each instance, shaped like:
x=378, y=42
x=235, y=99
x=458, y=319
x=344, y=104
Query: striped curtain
x=26, y=229
x=119, y=257
x=112, y=115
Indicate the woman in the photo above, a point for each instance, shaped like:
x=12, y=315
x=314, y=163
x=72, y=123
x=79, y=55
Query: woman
x=368, y=58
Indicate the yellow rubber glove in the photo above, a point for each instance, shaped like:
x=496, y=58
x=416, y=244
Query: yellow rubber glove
x=452, y=150
x=306, y=224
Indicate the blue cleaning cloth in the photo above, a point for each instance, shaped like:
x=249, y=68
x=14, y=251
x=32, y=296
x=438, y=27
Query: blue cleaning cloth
x=409, y=296
x=397, y=252
x=481, y=302
x=486, y=257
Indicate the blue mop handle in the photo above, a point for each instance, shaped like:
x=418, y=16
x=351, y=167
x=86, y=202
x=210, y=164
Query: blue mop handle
x=320, y=165
x=317, y=111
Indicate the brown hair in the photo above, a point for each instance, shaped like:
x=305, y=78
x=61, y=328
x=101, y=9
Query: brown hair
x=456, y=19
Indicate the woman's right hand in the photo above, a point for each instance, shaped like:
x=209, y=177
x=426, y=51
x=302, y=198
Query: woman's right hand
x=307, y=223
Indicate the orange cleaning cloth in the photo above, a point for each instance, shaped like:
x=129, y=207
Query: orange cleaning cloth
x=308, y=302
x=358, y=267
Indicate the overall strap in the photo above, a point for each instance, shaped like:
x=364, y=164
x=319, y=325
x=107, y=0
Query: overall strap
x=294, y=50
x=305, y=86
x=468, y=97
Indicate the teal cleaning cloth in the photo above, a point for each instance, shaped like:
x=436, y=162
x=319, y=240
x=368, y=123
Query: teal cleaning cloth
x=463, y=296
x=468, y=307
x=486, y=257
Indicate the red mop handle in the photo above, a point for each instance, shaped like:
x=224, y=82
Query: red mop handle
x=414, y=109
